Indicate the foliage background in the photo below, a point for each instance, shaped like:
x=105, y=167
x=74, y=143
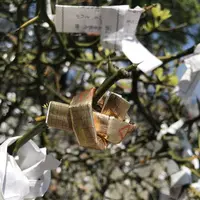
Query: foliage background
x=38, y=65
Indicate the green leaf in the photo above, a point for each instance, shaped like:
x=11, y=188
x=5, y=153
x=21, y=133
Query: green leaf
x=2, y=96
x=156, y=11
x=107, y=52
x=30, y=56
x=89, y=56
x=172, y=80
x=148, y=26
x=159, y=88
x=43, y=58
x=165, y=14
x=160, y=15
x=159, y=73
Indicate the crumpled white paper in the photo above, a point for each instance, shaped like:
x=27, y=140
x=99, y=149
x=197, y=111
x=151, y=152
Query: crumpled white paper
x=172, y=129
x=175, y=128
x=191, y=77
x=26, y=176
x=178, y=178
x=187, y=148
x=115, y=24
x=196, y=185
x=181, y=177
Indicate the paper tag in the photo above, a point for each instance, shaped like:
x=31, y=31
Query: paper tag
x=92, y=129
x=131, y=21
x=112, y=30
x=138, y=54
x=77, y=19
x=117, y=26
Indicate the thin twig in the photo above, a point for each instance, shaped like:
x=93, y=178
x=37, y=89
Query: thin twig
x=13, y=149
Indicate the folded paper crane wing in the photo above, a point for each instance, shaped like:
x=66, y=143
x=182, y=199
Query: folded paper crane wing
x=92, y=129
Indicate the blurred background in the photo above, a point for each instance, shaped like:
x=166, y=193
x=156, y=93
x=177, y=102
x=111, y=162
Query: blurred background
x=38, y=65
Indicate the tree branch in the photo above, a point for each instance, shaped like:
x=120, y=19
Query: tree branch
x=177, y=56
x=136, y=99
x=13, y=149
x=119, y=74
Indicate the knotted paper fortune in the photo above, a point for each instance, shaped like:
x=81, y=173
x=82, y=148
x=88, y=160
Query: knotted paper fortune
x=92, y=129
x=116, y=26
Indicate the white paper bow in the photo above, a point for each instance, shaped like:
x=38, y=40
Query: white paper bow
x=191, y=77
x=26, y=176
x=115, y=24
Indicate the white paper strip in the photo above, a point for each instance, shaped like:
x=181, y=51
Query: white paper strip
x=77, y=19
x=115, y=24
x=112, y=28
x=118, y=32
x=131, y=21
x=138, y=54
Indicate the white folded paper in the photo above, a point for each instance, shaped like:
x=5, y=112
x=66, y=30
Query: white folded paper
x=181, y=177
x=187, y=148
x=196, y=185
x=191, y=77
x=178, y=178
x=175, y=128
x=115, y=24
x=26, y=176
x=171, y=129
